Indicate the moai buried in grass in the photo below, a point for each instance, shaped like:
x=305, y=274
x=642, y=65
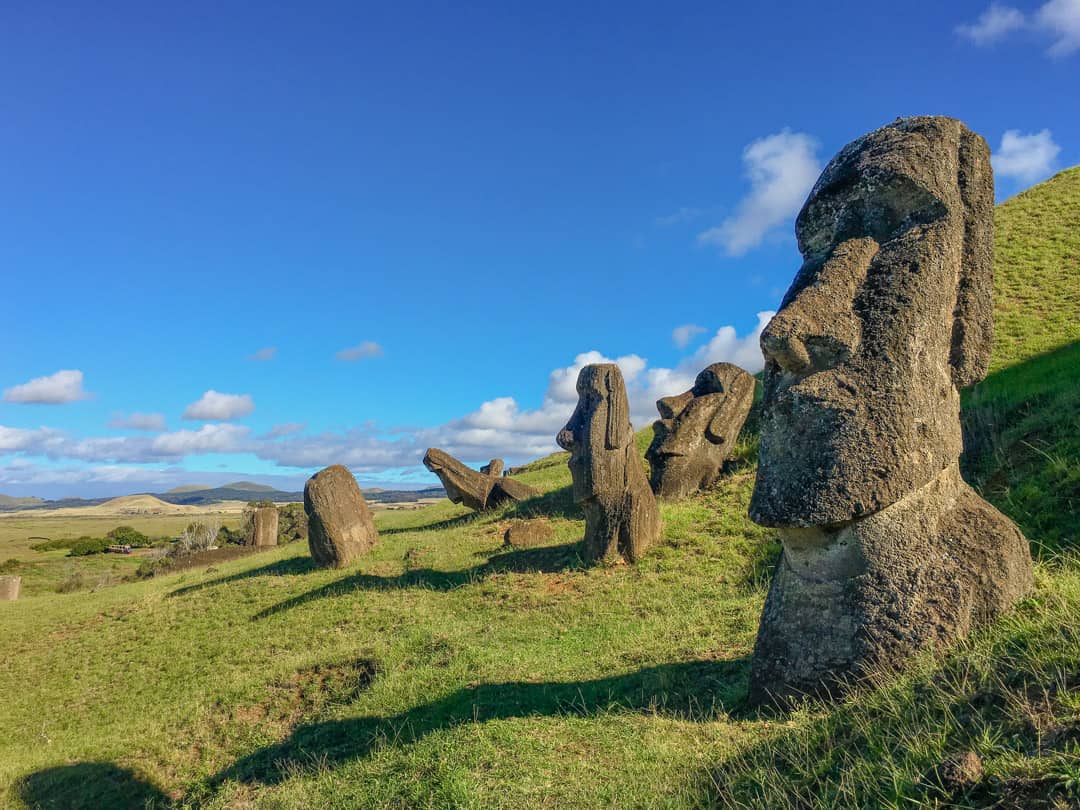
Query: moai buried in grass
x=621, y=516
x=697, y=430
x=886, y=550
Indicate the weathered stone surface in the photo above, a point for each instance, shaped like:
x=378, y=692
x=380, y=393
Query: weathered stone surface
x=621, y=516
x=476, y=490
x=697, y=430
x=528, y=533
x=886, y=549
x=10, y=587
x=493, y=468
x=264, y=526
x=340, y=527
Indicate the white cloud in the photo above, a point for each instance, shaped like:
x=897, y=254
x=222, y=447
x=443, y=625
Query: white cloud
x=152, y=422
x=63, y=386
x=264, y=354
x=682, y=335
x=369, y=348
x=1025, y=158
x=992, y=25
x=782, y=169
x=217, y=407
x=1061, y=18
x=207, y=439
x=1058, y=18
x=17, y=440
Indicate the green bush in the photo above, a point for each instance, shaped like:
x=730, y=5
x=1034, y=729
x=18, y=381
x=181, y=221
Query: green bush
x=86, y=546
x=53, y=545
x=127, y=536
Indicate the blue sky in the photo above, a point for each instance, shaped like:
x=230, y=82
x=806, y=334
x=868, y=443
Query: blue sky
x=259, y=239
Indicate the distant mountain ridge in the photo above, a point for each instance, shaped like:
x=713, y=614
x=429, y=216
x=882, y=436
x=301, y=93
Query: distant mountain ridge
x=200, y=495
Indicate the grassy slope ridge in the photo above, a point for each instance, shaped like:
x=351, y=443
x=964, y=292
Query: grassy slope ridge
x=445, y=671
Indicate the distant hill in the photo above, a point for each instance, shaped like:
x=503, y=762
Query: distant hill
x=187, y=488
x=10, y=502
x=128, y=505
x=240, y=491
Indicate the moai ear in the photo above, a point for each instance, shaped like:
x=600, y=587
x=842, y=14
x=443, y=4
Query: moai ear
x=735, y=403
x=618, y=413
x=973, y=317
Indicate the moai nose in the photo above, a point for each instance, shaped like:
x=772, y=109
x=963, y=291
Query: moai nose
x=780, y=343
x=565, y=439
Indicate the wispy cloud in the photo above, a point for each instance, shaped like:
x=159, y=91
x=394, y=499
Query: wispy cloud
x=993, y=24
x=782, y=168
x=153, y=422
x=63, y=386
x=214, y=406
x=1059, y=19
x=285, y=429
x=264, y=354
x=368, y=348
x=1025, y=158
x=682, y=335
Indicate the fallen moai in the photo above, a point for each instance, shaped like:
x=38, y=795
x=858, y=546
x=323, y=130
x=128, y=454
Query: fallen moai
x=340, y=527
x=697, y=430
x=476, y=490
x=886, y=551
x=621, y=515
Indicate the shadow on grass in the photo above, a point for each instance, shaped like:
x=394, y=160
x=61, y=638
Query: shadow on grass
x=691, y=690
x=558, y=503
x=89, y=786
x=287, y=567
x=548, y=559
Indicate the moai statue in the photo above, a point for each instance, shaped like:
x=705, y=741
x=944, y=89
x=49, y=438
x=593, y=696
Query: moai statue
x=340, y=527
x=10, y=586
x=697, y=430
x=886, y=550
x=264, y=526
x=621, y=516
x=476, y=490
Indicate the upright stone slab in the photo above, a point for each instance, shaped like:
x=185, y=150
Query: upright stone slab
x=10, y=587
x=264, y=526
x=476, y=490
x=340, y=527
x=621, y=516
x=886, y=551
x=697, y=430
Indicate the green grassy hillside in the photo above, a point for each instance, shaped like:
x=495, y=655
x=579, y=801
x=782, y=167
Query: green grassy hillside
x=445, y=671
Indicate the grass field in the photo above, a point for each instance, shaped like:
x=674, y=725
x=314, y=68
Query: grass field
x=446, y=671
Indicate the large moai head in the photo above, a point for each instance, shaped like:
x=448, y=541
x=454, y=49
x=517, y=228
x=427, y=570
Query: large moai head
x=340, y=526
x=889, y=315
x=697, y=430
x=598, y=433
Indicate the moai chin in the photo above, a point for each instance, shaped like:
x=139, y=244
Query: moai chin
x=886, y=550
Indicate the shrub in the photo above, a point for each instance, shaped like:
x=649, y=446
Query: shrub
x=53, y=545
x=86, y=546
x=10, y=566
x=292, y=523
x=74, y=581
x=127, y=536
